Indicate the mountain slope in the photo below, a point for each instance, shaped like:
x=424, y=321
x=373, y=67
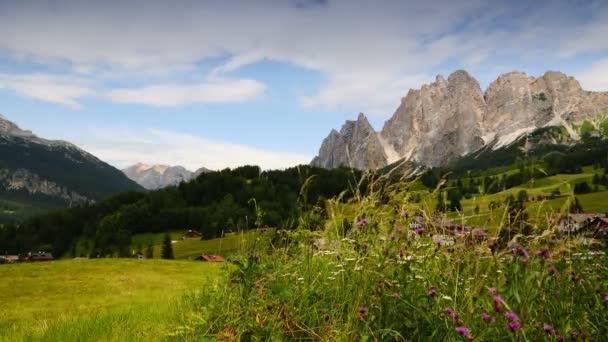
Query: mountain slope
x=59, y=172
x=448, y=119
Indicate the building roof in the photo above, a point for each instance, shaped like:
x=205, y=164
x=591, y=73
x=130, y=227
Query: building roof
x=210, y=258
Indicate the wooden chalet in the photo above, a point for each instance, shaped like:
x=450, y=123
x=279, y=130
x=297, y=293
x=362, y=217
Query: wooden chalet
x=210, y=258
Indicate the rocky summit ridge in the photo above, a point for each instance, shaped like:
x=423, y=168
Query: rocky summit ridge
x=158, y=176
x=453, y=117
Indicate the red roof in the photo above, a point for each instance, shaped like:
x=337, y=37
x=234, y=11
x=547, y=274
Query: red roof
x=210, y=258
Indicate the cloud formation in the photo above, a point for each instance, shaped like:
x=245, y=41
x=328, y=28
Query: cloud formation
x=167, y=95
x=123, y=147
x=63, y=90
x=369, y=54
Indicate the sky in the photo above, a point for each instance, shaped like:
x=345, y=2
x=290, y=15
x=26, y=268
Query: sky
x=227, y=83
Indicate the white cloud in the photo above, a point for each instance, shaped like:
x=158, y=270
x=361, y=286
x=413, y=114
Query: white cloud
x=217, y=91
x=364, y=50
x=595, y=77
x=123, y=147
x=63, y=90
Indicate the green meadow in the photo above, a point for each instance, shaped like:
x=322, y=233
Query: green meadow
x=98, y=299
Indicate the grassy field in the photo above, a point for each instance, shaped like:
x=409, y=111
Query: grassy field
x=97, y=299
x=191, y=248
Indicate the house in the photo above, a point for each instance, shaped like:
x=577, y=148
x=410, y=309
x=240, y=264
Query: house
x=210, y=258
x=9, y=258
x=192, y=234
x=585, y=223
x=40, y=256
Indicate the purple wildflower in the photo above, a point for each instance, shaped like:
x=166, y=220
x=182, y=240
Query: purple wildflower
x=543, y=253
x=396, y=295
x=493, y=291
x=560, y=338
x=552, y=269
x=419, y=230
x=514, y=326
x=479, y=233
x=393, y=237
x=493, y=246
x=518, y=250
x=511, y=316
x=438, y=242
x=498, y=303
x=463, y=331
x=548, y=329
x=432, y=292
x=487, y=318
x=606, y=299
x=362, y=222
x=450, y=312
x=401, y=253
x=399, y=229
x=363, y=309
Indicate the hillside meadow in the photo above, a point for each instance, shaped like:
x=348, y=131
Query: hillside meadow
x=98, y=299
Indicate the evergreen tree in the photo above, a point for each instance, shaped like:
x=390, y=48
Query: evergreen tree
x=522, y=196
x=476, y=209
x=596, y=179
x=455, y=196
x=167, y=248
x=150, y=252
x=440, y=202
x=575, y=207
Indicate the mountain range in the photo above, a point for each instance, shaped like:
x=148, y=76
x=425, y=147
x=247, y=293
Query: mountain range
x=453, y=117
x=58, y=173
x=154, y=177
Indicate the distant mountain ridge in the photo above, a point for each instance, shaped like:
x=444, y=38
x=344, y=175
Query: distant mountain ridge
x=453, y=117
x=56, y=170
x=154, y=177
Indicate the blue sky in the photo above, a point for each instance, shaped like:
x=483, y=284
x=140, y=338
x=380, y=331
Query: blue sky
x=225, y=83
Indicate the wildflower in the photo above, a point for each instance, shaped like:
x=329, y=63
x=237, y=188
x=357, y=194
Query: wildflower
x=518, y=250
x=401, y=253
x=606, y=299
x=514, y=326
x=399, y=229
x=543, y=252
x=396, y=295
x=432, y=292
x=450, y=312
x=438, y=242
x=548, y=329
x=446, y=297
x=363, y=309
x=552, y=269
x=493, y=246
x=498, y=303
x=362, y=222
x=463, y=331
x=393, y=237
x=419, y=230
x=487, y=318
x=560, y=338
x=511, y=316
x=493, y=291
x=479, y=233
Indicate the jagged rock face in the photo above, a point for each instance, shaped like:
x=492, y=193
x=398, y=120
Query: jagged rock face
x=438, y=122
x=154, y=177
x=22, y=179
x=357, y=145
x=451, y=118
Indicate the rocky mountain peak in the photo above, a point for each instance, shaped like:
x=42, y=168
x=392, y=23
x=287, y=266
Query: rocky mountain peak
x=158, y=176
x=449, y=118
